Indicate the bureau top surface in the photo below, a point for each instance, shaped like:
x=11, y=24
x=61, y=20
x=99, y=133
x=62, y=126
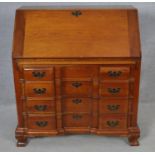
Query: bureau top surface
x=76, y=33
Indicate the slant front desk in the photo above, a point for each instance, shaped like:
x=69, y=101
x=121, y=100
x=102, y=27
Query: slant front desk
x=76, y=71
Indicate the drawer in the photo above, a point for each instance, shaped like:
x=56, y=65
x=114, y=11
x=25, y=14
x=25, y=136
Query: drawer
x=38, y=73
x=76, y=104
x=76, y=120
x=113, y=105
x=79, y=71
x=40, y=106
x=75, y=88
x=37, y=89
x=112, y=73
x=120, y=89
x=113, y=121
x=41, y=122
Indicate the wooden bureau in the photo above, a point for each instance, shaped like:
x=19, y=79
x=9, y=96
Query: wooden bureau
x=76, y=71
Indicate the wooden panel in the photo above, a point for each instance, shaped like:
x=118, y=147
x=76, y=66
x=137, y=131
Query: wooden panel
x=113, y=122
x=107, y=105
x=77, y=61
x=38, y=89
x=38, y=73
x=76, y=104
x=114, y=73
x=76, y=88
x=58, y=99
x=114, y=89
x=80, y=71
x=57, y=33
x=41, y=122
x=76, y=120
x=134, y=36
x=18, y=36
x=40, y=106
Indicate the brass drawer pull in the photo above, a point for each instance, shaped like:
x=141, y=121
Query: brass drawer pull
x=113, y=107
x=76, y=84
x=112, y=123
x=76, y=13
x=114, y=73
x=76, y=116
x=39, y=91
x=114, y=90
x=40, y=107
x=41, y=123
x=38, y=74
x=76, y=101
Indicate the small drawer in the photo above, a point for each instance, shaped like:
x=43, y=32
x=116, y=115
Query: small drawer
x=34, y=89
x=38, y=73
x=75, y=88
x=41, y=122
x=111, y=73
x=113, y=105
x=76, y=120
x=76, y=104
x=113, y=122
x=40, y=106
x=78, y=71
x=120, y=89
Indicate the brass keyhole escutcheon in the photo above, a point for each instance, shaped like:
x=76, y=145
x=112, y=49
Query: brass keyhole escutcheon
x=77, y=13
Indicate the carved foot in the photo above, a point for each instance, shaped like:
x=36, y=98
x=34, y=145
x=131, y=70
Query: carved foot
x=21, y=138
x=21, y=143
x=133, y=140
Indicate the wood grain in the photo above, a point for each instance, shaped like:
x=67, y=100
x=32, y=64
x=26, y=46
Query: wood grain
x=68, y=36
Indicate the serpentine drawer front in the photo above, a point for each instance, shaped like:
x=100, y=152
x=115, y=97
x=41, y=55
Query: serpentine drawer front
x=76, y=70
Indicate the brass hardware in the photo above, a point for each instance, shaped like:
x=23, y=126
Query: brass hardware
x=41, y=123
x=76, y=84
x=113, y=107
x=76, y=13
x=76, y=116
x=114, y=74
x=38, y=74
x=40, y=107
x=76, y=101
x=39, y=91
x=112, y=123
x=114, y=90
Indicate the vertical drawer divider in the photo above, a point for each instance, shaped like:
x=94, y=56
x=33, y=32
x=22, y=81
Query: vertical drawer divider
x=58, y=101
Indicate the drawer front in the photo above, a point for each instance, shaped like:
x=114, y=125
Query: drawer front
x=40, y=74
x=111, y=73
x=41, y=122
x=74, y=88
x=113, y=122
x=78, y=71
x=114, y=89
x=33, y=89
x=40, y=106
x=113, y=106
x=76, y=105
x=76, y=120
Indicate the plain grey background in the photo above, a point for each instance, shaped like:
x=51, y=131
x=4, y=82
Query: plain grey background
x=81, y=142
